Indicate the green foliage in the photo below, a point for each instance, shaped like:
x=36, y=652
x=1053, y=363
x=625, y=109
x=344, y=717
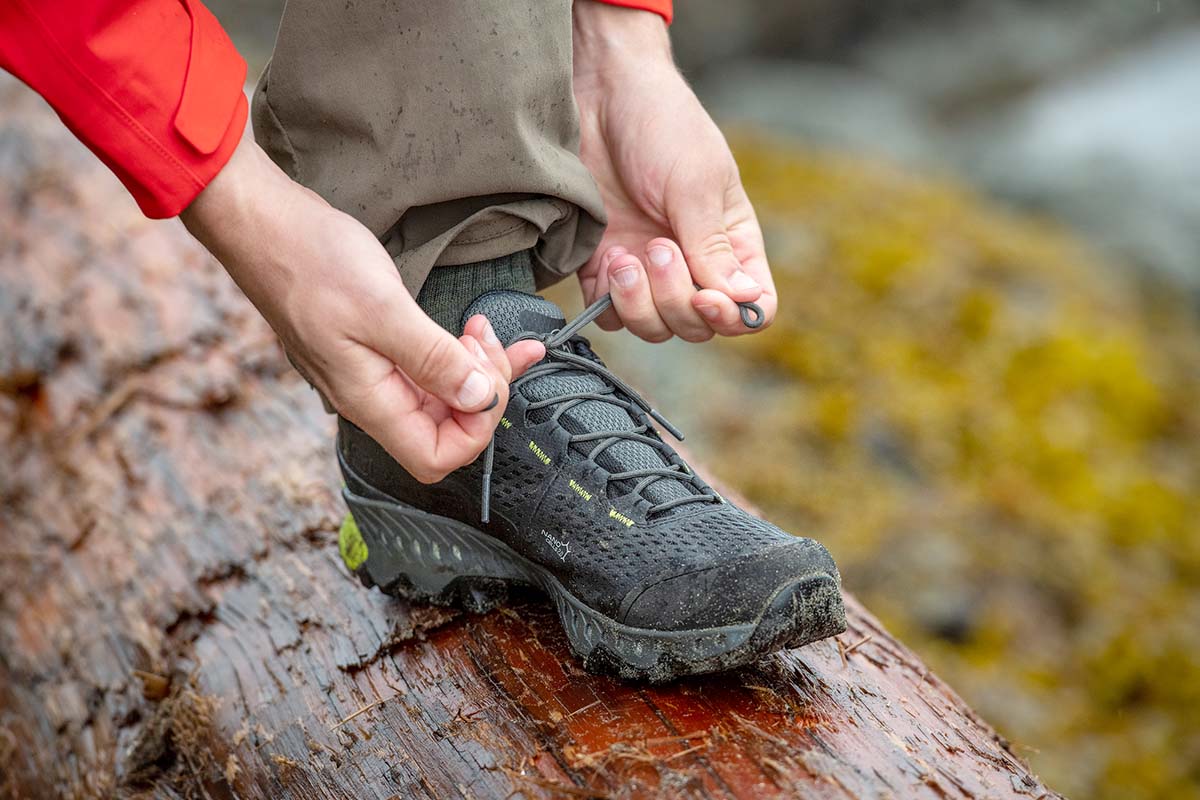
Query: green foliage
x=998, y=436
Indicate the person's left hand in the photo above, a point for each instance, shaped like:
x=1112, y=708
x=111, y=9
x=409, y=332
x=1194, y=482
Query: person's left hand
x=677, y=212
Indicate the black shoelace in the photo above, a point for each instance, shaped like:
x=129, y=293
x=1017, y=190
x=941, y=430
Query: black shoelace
x=618, y=393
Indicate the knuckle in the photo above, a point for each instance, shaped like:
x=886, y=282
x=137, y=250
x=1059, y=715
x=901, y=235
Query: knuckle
x=716, y=245
x=438, y=475
x=425, y=476
x=656, y=336
x=499, y=360
x=428, y=473
x=437, y=358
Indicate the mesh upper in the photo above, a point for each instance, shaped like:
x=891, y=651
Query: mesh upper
x=692, y=541
x=513, y=313
x=512, y=481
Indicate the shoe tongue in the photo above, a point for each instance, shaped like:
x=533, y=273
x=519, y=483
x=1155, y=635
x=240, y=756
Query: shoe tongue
x=513, y=313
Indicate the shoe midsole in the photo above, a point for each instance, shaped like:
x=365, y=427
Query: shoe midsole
x=432, y=551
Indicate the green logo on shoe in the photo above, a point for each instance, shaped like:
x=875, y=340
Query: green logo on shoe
x=351, y=544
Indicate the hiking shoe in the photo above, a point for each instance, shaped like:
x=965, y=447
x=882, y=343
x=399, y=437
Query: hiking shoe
x=654, y=574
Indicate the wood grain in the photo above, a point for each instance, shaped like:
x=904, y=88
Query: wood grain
x=175, y=621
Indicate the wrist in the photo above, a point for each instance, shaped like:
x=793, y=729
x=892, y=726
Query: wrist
x=211, y=215
x=248, y=217
x=613, y=41
x=233, y=201
x=248, y=202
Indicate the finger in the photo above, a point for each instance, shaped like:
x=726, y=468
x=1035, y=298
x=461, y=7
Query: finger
x=632, y=299
x=417, y=429
x=523, y=355
x=698, y=218
x=405, y=430
x=751, y=253
x=721, y=313
x=480, y=329
x=512, y=362
x=460, y=436
x=493, y=369
x=672, y=291
x=398, y=329
x=609, y=320
x=459, y=439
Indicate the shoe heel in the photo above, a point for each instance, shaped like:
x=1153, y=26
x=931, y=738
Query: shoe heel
x=419, y=556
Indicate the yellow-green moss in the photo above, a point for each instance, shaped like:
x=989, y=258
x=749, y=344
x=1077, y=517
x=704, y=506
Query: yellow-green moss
x=961, y=380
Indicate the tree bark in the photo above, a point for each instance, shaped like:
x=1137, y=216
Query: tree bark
x=175, y=620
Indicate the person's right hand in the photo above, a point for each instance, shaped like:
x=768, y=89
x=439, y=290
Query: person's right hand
x=333, y=295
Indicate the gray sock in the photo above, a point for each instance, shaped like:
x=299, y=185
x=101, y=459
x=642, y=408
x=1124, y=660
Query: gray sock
x=449, y=290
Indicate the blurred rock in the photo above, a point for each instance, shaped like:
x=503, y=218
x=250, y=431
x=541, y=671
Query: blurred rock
x=980, y=55
x=1087, y=112
x=708, y=33
x=825, y=105
x=1115, y=151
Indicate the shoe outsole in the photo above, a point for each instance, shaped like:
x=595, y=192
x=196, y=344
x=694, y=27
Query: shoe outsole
x=428, y=558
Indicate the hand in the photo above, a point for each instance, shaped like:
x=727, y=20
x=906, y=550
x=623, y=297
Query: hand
x=331, y=292
x=677, y=212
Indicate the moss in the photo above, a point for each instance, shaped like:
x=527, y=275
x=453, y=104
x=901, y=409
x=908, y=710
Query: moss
x=977, y=411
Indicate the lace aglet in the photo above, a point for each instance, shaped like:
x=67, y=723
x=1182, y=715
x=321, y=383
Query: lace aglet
x=661, y=420
x=486, y=499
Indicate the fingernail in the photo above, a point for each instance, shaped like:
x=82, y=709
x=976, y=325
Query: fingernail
x=626, y=277
x=495, y=402
x=740, y=280
x=609, y=256
x=479, y=351
x=709, y=312
x=489, y=335
x=474, y=389
x=660, y=256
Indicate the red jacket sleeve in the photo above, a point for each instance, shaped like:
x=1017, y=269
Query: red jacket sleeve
x=664, y=8
x=152, y=87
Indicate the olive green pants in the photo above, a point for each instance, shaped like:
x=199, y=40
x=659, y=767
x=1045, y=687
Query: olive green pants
x=449, y=129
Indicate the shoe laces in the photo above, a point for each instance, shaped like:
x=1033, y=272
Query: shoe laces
x=616, y=392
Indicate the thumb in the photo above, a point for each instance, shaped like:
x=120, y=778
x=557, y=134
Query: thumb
x=431, y=358
x=698, y=219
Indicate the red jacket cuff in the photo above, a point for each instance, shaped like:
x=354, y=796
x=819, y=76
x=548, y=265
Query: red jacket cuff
x=152, y=87
x=664, y=8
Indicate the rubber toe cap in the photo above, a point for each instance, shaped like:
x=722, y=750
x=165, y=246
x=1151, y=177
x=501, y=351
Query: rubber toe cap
x=737, y=592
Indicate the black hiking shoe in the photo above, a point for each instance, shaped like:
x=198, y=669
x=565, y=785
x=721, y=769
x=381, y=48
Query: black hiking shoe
x=653, y=573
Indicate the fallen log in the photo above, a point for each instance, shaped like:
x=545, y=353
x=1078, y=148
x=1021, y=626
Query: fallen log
x=175, y=620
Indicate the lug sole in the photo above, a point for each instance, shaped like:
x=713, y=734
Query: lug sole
x=428, y=558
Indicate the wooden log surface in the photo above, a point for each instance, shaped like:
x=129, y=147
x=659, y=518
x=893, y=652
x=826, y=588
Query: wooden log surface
x=175, y=620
